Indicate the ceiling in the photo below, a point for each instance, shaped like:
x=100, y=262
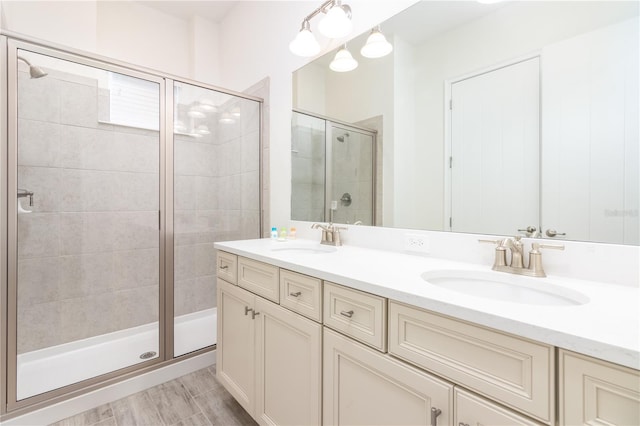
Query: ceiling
x=212, y=10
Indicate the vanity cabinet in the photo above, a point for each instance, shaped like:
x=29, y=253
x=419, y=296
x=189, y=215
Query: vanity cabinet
x=365, y=387
x=268, y=357
x=294, y=349
x=597, y=392
x=517, y=372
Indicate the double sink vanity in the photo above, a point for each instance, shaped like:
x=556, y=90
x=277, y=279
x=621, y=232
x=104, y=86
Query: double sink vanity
x=314, y=334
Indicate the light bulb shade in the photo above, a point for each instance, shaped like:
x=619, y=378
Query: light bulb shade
x=202, y=130
x=343, y=61
x=226, y=118
x=376, y=46
x=305, y=44
x=208, y=105
x=336, y=23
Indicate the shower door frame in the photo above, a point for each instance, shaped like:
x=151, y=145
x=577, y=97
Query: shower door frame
x=11, y=166
x=9, y=43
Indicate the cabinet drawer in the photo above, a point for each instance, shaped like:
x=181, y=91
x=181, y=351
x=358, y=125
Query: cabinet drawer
x=597, y=392
x=227, y=266
x=362, y=386
x=517, y=372
x=259, y=278
x=301, y=294
x=474, y=410
x=360, y=315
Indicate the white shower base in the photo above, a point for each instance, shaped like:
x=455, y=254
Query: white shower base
x=57, y=366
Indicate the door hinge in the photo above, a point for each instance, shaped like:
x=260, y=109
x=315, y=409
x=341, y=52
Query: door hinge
x=450, y=104
x=450, y=222
x=450, y=162
x=159, y=220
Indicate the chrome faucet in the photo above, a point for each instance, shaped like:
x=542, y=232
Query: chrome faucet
x=330, y=233
x=516, y=266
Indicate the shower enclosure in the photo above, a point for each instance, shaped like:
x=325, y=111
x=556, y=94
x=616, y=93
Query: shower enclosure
x=116, y=182
x=333, y=173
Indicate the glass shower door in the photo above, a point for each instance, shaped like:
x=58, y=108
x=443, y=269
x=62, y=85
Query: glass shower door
x=350, y=189
x=216, y=198
x=86, y=263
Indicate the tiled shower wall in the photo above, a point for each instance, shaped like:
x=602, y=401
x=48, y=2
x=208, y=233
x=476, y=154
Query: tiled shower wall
x=88, y=253
x=216, y=199
x=307, y=168
x=352, y=170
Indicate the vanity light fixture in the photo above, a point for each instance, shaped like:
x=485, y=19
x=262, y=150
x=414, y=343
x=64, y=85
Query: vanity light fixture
x=336, y=24
x=207, y=105
x=226, y=118
x=195, y=111
x=343, y=61
x=305, y=43
x=202, y=130
x=377, y=45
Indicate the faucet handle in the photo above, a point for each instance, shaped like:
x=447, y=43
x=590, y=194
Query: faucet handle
x=535, y=258
x=501, y=252
x=496, y=242
x=535, y=247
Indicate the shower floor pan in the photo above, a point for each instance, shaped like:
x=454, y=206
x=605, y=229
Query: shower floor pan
x=57, y=366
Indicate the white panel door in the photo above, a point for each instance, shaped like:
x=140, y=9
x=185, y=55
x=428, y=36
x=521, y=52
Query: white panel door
x=495, y=150
x=590, y=178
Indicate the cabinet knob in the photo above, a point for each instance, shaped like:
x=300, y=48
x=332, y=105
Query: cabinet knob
x=254, y=314
x=435, y=412
x=463, y=424
x=223, y=267
x=296, y=294
x=247, y=310
x=347, y=314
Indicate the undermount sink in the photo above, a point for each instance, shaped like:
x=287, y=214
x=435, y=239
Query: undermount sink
x=505, y=287
x=297, y=248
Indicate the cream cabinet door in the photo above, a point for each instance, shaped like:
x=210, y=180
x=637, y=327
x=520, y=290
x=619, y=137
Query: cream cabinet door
x=595, y=392
x=364, y=387
x=473, y=410
x=288, y=370
x=236, y=346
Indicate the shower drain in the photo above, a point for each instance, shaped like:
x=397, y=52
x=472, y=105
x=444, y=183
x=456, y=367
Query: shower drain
x=148, y=355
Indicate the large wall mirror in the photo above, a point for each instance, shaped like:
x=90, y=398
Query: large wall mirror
x=486, y=119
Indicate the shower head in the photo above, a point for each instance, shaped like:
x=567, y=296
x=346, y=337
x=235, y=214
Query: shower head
x=34, y=71
x=341, y=138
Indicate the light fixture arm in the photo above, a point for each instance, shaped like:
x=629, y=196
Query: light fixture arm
x=324, y=7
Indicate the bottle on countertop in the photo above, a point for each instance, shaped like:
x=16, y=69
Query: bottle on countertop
x=274, y=233
x=292, y=233
x=283, y=234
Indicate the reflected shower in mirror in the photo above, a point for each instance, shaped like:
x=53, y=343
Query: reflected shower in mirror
x=333, y=171
x=499, y=118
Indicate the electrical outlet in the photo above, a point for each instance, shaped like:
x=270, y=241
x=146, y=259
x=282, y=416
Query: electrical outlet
x=418, y=243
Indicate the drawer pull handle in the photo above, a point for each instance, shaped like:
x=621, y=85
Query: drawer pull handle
x=463, y=424
x=254, y=314
x=296, y=294
x=247, y=310
x=435, y=412
x=223, y=267
x=347, y=314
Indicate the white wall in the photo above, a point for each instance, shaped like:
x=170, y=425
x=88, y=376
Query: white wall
x=123, y=30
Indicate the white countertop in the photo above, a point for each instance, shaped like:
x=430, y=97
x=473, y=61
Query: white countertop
x=606, y=327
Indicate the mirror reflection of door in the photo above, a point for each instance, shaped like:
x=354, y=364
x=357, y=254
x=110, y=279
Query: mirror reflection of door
x=350, y=190
x=494, y=150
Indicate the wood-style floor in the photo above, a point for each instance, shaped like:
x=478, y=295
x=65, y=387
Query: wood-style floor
x=196, y=399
